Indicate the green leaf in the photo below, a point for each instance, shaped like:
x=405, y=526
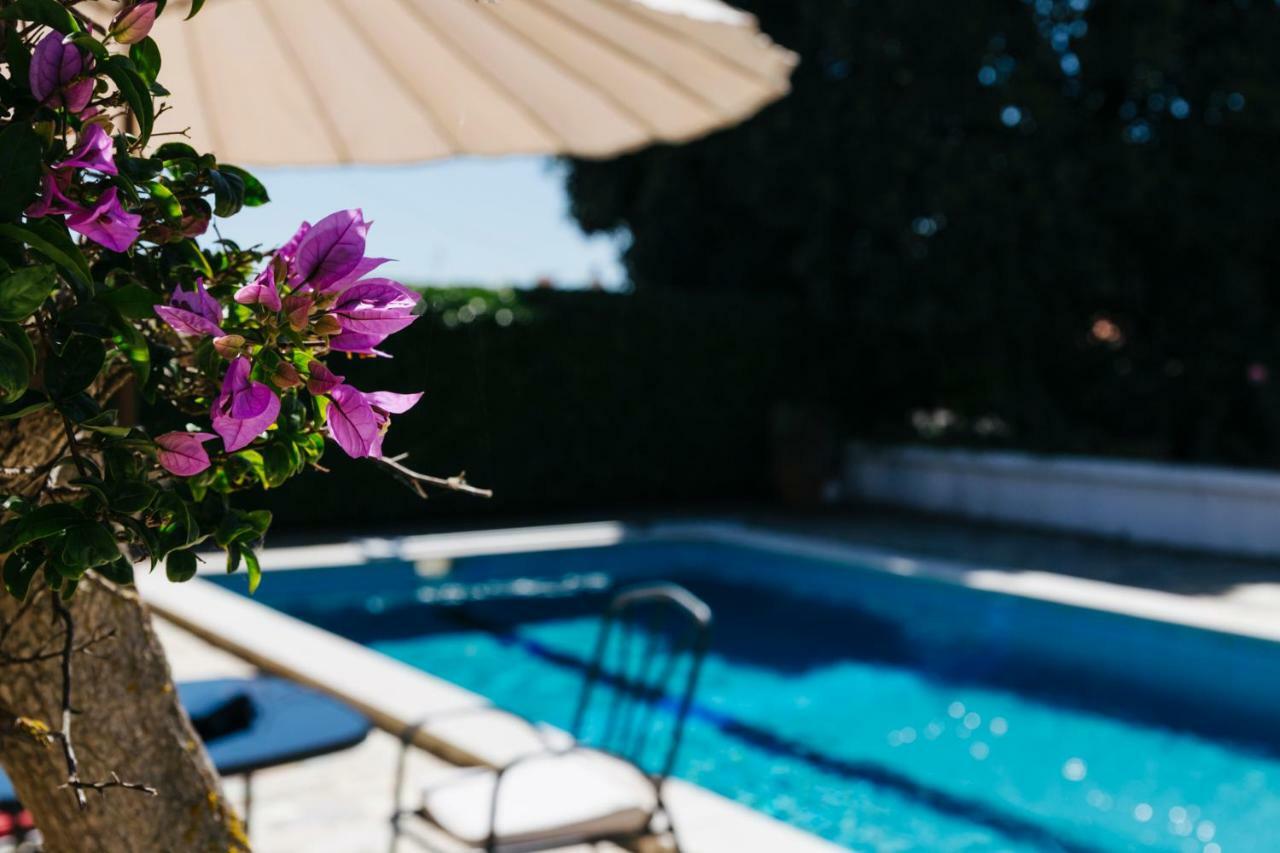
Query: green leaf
x=91, y=44
x=52, y=240
x=177, y=528
x=133, y=346
x=130, y=496
x=48, y=12
x=143, y=535
x=41, y=523
x=19, y=336
x=23, y=291
x=20, y=161
x=17, y=54
x=28, y=404
x=132, y=300
x=104, y=423
x=177, y=151
x=239, y=527
x=253, y=459
x=78, y=407
x=190, y=249
x=228, y=192
x=181, y=566
x=85, y=545
x=15, y=371
x=75, y=368
x=168, y=203
x=196, y=6
x=255, y=570
x=146, y=58
x=20, y=569
x=134, y=89
x=94, y=486
x=278, y=464
x=120, y=572
x=255, y=193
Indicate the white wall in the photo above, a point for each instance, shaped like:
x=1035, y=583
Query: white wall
x=1214, y=509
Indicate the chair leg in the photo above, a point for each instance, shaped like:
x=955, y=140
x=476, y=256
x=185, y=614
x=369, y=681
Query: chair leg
x=248, y=801
x=661, y=809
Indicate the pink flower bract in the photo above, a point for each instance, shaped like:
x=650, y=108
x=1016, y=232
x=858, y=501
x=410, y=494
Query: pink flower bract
x=133, y=24
x=261, y=291
x=55, y=74
x=330, y=250
x=95, y=150
x=183, y=453
x=358, y=421
x=107, y=224
x=192, y=312
x=52, y=201
x=244, y=409
x=376, y=306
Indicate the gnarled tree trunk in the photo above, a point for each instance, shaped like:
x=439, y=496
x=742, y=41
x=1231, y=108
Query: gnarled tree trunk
x=128, y=726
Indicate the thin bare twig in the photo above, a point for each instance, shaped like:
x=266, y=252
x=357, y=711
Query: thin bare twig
x=63, y=736
x=416, y=480
x=73, y=446
x=7, y=660
x=115, y=782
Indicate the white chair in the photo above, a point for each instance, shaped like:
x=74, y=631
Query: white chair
x=652, y=637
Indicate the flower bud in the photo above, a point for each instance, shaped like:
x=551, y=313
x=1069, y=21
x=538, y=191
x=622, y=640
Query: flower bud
x=328, y=325
x=229, y=347
x=286, y=376
x=132, y=25
x=195, y=218
x=299, y=310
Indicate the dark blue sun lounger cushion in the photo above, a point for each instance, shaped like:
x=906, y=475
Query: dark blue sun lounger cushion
x=251, y=724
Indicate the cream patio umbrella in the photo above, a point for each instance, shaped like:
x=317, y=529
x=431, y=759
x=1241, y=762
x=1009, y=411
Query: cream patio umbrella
x=310, y=82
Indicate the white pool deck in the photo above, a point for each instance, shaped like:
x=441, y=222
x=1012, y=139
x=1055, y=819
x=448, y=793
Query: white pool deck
x=342, y=802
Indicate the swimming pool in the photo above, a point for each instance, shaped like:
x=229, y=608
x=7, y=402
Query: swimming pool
x=882, y=712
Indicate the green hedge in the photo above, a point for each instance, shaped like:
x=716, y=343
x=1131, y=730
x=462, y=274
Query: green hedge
x=563, y=400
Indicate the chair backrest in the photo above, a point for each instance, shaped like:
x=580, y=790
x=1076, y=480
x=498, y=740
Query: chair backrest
x=644, y=671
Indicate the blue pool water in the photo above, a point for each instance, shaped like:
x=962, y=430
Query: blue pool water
x=882, y=712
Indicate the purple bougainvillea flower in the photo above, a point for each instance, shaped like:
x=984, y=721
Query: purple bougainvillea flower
x=56, y=72
x=96, y=151
x=107, y=224
x=261, y=291
x=362, y=269
x=133, y=24
x=375, y=306
x=384, y=405
x=198, y=301
x=244, y=409
x=186, y=323
x=52, y=201
x=183, y=453
x=322, y=379
x=289, y=250
x=358, y=421
x=358, y=344
x=330, y=250
x=77, y=96
x=192, y=312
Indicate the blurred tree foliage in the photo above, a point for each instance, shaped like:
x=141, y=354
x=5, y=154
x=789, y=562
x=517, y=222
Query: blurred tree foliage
x=1045, y=224
x=566, y=400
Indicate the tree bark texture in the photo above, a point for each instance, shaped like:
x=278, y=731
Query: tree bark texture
x=128, y=723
